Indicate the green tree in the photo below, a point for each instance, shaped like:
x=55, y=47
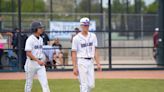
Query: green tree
x=83, y=6
x=33, y=6
x=120, y=6
x=6, y=5
x=62, y=6
x=152, y=8
x=117, y=6
x=27, y=5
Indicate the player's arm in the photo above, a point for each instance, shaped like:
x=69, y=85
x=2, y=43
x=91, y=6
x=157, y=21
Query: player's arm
x=28, y=49
x=97, y=60
x=74, y=62
x=74, y=57
x=97, y=54
x=96, y=57
x=32, y=57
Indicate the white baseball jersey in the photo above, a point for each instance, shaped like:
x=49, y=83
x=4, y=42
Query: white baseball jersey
x=35, y=45
x=84, y=46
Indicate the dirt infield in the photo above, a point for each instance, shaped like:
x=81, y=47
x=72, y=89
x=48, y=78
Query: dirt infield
x=99, y=75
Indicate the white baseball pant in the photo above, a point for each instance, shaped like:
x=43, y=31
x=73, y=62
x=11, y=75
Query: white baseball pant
x=32, y=68
x=86, y=74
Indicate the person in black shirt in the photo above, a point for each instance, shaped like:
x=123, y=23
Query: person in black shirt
x=15, y=43
x=45, y=38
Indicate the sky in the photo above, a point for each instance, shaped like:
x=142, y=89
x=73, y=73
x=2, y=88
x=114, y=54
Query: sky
x=105, y=2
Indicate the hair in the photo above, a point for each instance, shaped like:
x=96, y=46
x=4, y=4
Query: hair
x=34, y=30
x=76, y=28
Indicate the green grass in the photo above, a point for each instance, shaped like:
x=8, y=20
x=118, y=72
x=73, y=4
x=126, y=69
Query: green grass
x=103, y=85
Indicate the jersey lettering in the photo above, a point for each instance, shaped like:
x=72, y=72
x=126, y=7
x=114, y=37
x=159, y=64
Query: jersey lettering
x=86, y=44
x=38, y=46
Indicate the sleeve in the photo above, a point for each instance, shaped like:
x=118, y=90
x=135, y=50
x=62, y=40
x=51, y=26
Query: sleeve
x=28, y=46
x=95, y=41
x=74, y=44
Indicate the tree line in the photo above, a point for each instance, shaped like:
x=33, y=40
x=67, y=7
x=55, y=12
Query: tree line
x=118, y=6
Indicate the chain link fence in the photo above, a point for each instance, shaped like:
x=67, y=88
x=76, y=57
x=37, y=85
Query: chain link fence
x=132, y=42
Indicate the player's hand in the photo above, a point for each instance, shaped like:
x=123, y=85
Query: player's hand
x=41, y=63
x=75, y=71
x=99, y=67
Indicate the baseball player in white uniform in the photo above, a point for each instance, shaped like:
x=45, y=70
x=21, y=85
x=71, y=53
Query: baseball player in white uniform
x=35, y=63
x=83, y=54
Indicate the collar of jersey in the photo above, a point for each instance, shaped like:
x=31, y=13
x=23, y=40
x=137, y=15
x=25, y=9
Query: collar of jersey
x=35, y=37
x=84, y=36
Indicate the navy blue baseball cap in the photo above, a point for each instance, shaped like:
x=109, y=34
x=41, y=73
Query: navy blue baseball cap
x=36, y=24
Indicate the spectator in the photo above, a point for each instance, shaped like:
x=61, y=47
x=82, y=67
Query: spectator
x=49, y=51
x=77, y=31
x=15, y=43
x=14, y=38
x=155, y=42
x=45, y=38
x=1, y=50
x=23, y=42
x=58, y=52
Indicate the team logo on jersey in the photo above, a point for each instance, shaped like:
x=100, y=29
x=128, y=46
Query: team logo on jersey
x=38, y=46
x=86, y=44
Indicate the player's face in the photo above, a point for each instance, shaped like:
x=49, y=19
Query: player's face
x=40, y=30
x=85, y=28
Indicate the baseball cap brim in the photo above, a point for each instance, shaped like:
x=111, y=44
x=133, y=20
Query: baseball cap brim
x=42, y=26
x=84, y=23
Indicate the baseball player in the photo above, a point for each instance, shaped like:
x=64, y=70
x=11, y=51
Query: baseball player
x=83, y=54
x=35, y=58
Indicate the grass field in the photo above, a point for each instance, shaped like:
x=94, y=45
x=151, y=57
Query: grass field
x=102, y=85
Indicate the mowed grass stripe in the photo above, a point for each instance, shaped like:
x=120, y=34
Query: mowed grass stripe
x=102, y=85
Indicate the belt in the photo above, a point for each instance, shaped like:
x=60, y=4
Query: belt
x=37, y=58
x=88, y=58
x=40, y=58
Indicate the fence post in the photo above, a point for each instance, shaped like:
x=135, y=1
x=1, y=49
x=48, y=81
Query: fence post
x=51, y=10
x=19, y=36
x=160, y=56
x=109, y=34
x=13, y=14
x=101, y=16
x=0, y=16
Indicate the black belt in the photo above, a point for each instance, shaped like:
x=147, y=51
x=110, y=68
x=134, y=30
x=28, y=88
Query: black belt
x=38, y=59
x=89, y=58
